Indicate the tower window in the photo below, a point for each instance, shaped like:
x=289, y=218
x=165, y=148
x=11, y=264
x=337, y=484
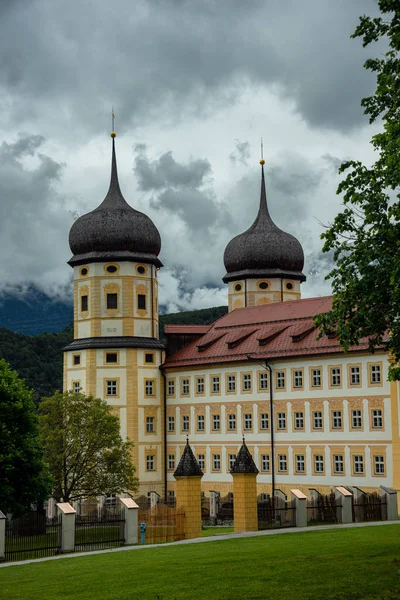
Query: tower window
x=77, y=359
x=149, y=358
x=263, y=285
x=111, y=357
x=84, y=303
x=112, y=269
x=141, y=270
x=84, y=271
x=289, y=286
x=238, y=287
x=112, y=301
x=141, y=301
x=111, y=387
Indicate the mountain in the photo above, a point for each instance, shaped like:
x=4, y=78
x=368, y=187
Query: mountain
x=39, y=358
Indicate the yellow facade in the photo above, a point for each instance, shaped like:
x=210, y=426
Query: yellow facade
x=188, y=497
x=245, y=502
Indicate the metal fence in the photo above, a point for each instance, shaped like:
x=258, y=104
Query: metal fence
x=163, y=524
x=276, y=513
x=100, y=529
x=369, y=507
x=32, y=536
x=323, y=509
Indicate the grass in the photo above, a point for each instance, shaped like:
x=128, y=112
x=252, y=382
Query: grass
x=209, y=531
x=341, y=564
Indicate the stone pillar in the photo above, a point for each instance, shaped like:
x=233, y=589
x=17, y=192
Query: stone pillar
x=154, y=498
x=300, y=501
x=213, y=504
x=67, y=527
x=391, y=503
x=131, y=520
x=345, y=499
x=245, y=510
x=188, y=492
x=2, y=536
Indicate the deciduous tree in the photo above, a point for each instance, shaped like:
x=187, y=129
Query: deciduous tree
x=83, y=447
x=365, y=236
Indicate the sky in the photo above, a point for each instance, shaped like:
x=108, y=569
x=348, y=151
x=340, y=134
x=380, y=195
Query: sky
x=195, y=85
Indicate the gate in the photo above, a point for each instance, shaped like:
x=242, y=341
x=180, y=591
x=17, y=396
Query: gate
x=323, y=510
x=100, y=529
x=163, y=524
x=225, y=508
x=32, y=536
x=369, y=507
x=275, y=513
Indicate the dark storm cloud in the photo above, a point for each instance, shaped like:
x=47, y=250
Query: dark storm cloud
x=64, y=64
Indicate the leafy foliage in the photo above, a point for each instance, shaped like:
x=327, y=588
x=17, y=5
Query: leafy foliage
x=83, y=447
x=365, y=236
x=23, y=476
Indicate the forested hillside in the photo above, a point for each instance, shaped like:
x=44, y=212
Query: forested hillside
x=39, y=359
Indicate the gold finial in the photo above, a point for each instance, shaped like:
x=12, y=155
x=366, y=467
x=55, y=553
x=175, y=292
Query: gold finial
x=113, y=134
x=262, y=161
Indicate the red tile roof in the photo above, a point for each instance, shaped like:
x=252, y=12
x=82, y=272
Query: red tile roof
x=186, y=329
x=270, y=331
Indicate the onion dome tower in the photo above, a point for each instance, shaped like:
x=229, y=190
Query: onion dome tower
x=264, y=264
x=116, y=352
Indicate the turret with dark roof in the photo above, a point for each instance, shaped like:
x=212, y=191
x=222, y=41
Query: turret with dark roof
x=188, y=465
x=263, y=250
x=244, y=463
x=114, y=230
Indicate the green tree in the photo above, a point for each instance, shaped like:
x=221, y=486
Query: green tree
x=365, y=236
x=83, y=447
x=23, y=476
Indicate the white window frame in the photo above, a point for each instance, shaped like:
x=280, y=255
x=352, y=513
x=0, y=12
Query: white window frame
x=336, y=373
x=200, y=385
x=231, y=460
x=264, y=421
x=216, y=422
x=300, y=463
x=299, y=420
x=171, y=387
x=185, y=423
x=377, y=419
x=358, y=464
x=201, y=423
x=216, y=458
x=231, y=383
x=112, y=387
x=201, y=461
x=263, y=381
x=77, y=387
x=318, y=422
x=265, y=465
x=355, y=376
x=319, y=463
x=375, y=374
x=247, y=382
x=150, y=462
x=171, y=462
x=150, y=424
x=281, y=420
x=298, y=379
x=247, y=421
x=280, y=380
x=216, y=384
x=336, y=419
x=149, y=390
x=171, y=423
x=315, y=377
x=356, y=419
x=231, y=422
x=379, y=465
x=338, y=463
x=185, y=387
x=282, y=463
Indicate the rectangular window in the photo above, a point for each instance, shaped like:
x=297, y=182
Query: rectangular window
x=150, y=462
x=77, y=387
x=338, y=463
x=264, y=462
x=216, y=422
x=171, y=387
x=336, y=419
x=201, y=461
x=149, y=390
x=111, y=387
x=318, y=463
x=298, y=379
x=200, y=423
x=84, y=303
x=231, y=422
x=150, y=424
x=171, y=461
x=185, y=387
x=247, y=382
x=112, y=301
x=200, y=385
x=315, y=377
x=281, y=420
x=317, y=420
x=298, y=420
x=355, y=375
x=358, y=462
x=149, y=358
x=264, y=424
x=377, y=419
x=356, y=419
x=141, y=301
x=282, y=462
x=280, y=379
x=216, y=462
x=232, y=459
x=231, y=383
x=335, y=376
x=185, y=423
x=111, y=357
x=171, y=423
x=215, y=385
x=379, y=465
x=375, y=374
x=263, y=381
x=248, y=421
x=300, y=463
x=77, y=359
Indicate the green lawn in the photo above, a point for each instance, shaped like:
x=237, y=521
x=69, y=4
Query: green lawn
x=210, y=531
x=341, y=564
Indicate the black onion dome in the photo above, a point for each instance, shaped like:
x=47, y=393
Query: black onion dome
x=244, y=462
x=188, y=465
x=263, y=250
x=114, y=230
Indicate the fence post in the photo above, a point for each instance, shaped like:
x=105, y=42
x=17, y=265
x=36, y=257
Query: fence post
x=2, y=536
x=68, y=514
x=131, y=520
x=345, y=514
x=213, y=504
x=300, y=502
x=154, y=498
x=391, y=503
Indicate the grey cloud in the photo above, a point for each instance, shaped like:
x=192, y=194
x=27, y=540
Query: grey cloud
x=241, y=153
x=333, y=161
